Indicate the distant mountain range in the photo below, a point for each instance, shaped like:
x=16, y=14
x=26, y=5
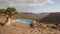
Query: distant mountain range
x=30, y=16
x=52, y=18
x=42, y=17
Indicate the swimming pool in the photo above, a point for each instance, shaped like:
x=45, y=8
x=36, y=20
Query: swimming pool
x=26, y=21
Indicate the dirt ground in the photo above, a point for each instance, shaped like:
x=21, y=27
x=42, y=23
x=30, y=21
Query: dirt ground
x=19, y=28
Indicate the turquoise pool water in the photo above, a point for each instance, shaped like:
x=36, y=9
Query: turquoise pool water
x=26, y=21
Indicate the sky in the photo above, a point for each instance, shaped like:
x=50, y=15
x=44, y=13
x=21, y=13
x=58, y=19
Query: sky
x=34, y=6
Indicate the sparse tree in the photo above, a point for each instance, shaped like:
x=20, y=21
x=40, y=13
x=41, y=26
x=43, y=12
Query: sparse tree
x=9, y=12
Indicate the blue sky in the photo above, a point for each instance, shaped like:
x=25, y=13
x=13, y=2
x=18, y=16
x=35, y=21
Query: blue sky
x=35, y=6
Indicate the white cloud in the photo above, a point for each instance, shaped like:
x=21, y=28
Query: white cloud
x=30, y=2
x=41, y=2
x=25, y=5
x=51, y=2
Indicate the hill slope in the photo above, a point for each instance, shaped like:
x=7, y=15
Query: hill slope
x=30, y=16
x=52, y=18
